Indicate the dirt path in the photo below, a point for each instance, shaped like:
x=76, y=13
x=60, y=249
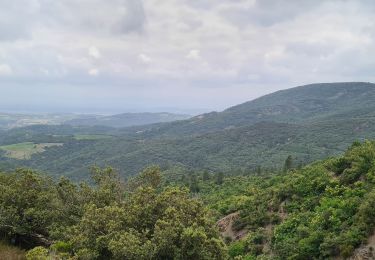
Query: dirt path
x=365, y=252
x=226, y=227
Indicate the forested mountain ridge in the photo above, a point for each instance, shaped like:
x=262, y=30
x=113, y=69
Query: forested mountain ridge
x=309, y=103
x=309, y=122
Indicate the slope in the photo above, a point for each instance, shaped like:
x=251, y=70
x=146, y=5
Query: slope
x=309, y=122
x=302, y=104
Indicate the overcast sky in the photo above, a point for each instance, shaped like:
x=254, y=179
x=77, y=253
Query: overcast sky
x=187, y=55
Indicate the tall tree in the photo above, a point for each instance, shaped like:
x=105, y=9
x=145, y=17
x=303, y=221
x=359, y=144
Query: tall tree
x=219, y=178
x=288, y=163
x=194, y=186
x=206, y=176
x=258, y=170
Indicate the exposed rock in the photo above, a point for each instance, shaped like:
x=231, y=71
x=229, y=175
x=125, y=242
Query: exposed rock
x=226, y=227
x=365, y=252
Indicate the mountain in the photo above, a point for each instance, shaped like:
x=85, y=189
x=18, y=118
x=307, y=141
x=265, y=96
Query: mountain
x=309, y=122
x=127, y=119
x=309, y=103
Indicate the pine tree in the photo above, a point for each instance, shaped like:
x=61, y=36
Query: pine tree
x=288, y=165
x=194, y=186
x=219, y=178
x=258, y=170
x=205, y=176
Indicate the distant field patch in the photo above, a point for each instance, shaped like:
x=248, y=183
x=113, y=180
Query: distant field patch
x=91, y=137
x=23, y=151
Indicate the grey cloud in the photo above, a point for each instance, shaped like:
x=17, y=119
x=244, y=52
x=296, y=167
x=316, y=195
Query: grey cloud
x=110, y=16
x=242, y=49
x=18, y=18
x=310, y=49
x=15, y=19
x=267, y=12
x=134, y=19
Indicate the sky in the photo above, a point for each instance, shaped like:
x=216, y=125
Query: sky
x=187, y=56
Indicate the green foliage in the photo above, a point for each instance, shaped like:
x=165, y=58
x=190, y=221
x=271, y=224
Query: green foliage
x=288, y=164
x=149, y=177
x=147, y=225
x=28, y=206
x=108, y=220
x=236, y=249
x=322, y=211
x=194, y=186
x=219, y=178
x=37, y=253
x=205, y=176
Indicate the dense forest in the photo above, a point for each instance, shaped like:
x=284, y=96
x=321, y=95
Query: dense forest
x=324, y=210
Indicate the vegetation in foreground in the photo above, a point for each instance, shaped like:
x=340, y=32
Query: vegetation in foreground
x=323, y=211
x=110, y=220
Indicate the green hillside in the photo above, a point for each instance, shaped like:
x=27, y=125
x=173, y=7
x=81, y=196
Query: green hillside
x=325, y=210
x=308, y=103
x=309, y=122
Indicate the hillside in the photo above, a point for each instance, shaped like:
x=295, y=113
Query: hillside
x=309, y=123
x=245, y=148
x=309, y=103
x=324, y=210
x=127, y=119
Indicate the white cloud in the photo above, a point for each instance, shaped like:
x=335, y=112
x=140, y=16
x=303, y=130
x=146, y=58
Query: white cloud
x=5, y=70
x=45, y=71
x=93, y=72
x=194, y=55
x=94, y=52
x=143, y=58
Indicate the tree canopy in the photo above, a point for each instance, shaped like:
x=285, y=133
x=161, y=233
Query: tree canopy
x=108, y=220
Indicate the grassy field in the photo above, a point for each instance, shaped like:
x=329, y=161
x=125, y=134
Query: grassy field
x=91, y=137
x=11, y=253
x=23, y=151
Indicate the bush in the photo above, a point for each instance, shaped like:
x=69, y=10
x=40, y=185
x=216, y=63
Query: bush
x=37, y=253
x=236, y=249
